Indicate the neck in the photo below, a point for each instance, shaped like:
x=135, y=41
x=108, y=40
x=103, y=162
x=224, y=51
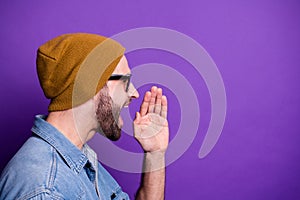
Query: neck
x=74, y=128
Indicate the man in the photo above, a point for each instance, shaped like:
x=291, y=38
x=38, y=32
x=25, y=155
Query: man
x=87, y=79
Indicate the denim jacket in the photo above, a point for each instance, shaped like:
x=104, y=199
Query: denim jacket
x=49, y=166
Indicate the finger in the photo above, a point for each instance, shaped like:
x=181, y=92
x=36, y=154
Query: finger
x=164, y=107
x=145, y=104
x=157, y=108
x=152, y=100
x=137, y=118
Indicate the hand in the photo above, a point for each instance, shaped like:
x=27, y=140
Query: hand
x=151, y=125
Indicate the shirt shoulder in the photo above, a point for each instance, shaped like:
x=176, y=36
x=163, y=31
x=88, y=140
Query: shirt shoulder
x=33, y=174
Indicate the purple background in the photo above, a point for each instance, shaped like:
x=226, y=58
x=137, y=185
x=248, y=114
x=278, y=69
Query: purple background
x=256, y=47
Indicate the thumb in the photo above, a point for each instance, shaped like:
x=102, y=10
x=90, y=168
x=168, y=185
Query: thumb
x=137, y=117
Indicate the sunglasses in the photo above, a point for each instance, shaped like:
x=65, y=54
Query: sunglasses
x=125, y=78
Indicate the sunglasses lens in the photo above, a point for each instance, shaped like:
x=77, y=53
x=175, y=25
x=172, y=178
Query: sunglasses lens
x=127, y=84
x=125, y=78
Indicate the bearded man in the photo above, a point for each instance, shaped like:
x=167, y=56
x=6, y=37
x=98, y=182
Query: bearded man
x=87, y=79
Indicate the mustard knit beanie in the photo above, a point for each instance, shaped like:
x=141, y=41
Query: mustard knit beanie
x=72, y=68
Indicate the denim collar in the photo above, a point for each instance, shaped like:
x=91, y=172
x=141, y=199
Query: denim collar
x=74, y=158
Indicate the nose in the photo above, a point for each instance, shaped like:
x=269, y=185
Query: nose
x=132, y=92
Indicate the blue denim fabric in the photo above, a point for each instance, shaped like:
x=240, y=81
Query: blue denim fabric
x=49, y=166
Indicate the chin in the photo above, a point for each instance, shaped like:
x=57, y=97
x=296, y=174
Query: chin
x=114, y=137
x=113, y=133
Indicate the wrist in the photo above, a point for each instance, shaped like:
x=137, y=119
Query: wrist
x=156, y=154
x=154, y=161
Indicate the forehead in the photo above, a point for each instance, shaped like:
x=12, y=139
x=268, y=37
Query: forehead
x=122, y=67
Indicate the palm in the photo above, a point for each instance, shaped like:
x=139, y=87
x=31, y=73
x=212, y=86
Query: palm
x=152, y=132
x=151, y=126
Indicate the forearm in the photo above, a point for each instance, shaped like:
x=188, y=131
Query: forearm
x=153, y=178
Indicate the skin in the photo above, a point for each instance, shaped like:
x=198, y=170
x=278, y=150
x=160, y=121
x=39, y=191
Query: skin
x=150, y=126
x=152, y=132
x=108, y=113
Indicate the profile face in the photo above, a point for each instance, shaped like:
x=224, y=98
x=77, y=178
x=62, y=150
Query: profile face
x=116, y=94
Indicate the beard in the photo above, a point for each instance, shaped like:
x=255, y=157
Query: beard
x=108, y=113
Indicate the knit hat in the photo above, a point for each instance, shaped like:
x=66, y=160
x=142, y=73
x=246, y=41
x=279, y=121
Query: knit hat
x=72, y=68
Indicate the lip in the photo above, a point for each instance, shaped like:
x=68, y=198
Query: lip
x=120, y=122
x=127, y=103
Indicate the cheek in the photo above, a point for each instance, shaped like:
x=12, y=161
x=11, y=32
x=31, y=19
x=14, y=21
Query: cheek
x=119, y=95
